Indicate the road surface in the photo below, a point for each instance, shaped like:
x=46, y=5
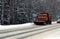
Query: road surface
x=31, y=31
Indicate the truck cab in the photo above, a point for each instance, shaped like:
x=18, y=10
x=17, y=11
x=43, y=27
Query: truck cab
x=43, y=18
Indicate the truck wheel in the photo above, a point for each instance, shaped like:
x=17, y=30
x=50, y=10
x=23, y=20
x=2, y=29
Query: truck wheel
x=50, y=22
x=47, y=22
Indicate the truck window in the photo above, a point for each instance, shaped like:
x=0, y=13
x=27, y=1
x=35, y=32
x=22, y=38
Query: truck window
x=42, y=16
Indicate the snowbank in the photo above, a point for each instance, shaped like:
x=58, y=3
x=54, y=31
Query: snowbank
x=3, y=27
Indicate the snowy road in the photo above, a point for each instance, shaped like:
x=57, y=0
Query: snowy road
x=30, y=31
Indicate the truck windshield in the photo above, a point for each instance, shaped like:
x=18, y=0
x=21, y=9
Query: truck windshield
x=42, y=16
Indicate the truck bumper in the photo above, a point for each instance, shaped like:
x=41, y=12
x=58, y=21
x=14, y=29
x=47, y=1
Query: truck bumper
x=38, y=23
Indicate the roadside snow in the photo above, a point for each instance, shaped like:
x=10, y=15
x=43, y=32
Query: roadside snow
x=3, y=27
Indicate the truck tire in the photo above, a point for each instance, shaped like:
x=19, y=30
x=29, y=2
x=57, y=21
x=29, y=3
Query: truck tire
x=50, y=22
x=47, y=22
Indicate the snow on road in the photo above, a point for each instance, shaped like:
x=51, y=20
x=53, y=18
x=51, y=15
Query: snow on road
x=3, y=27
x=34, y=33
x=53, y=34
x=30, y=31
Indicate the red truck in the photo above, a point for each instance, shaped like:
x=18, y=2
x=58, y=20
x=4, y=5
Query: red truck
x=43, y=18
